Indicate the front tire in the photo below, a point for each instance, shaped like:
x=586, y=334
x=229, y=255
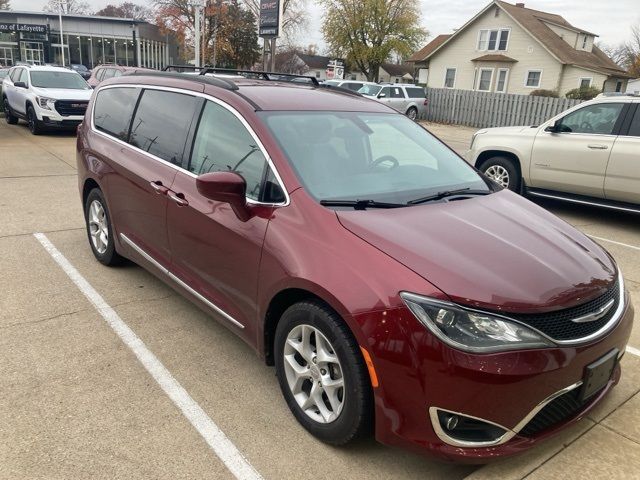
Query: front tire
x=99, y=230
x=322, y=374
x=8, y=115
x=503, y=171
x=412, y=113
x=35, y=126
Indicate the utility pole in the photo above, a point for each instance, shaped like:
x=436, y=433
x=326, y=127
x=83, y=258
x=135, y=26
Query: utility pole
x=61, y=3
x=198, y=5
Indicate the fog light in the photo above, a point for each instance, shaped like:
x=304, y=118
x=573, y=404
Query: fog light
x=460, y=428
x=452, y=422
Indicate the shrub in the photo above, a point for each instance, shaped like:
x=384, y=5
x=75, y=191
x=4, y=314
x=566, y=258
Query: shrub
x=541, y=92
x=583, y=93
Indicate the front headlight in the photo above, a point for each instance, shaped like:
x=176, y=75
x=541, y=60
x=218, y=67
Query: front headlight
x=472, y=331
x=46, y=103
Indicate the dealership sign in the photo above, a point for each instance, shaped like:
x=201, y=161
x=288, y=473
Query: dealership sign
x=270, y=18
x=22, y=27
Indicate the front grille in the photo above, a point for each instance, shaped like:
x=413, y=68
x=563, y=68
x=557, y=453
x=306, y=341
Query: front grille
x=558, y=324
x=564, y=407
x=67, y=108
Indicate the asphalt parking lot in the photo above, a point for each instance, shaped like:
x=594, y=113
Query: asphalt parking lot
x=80, y=400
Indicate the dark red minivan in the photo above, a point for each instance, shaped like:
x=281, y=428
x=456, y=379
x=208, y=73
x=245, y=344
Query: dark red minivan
x=395, y=289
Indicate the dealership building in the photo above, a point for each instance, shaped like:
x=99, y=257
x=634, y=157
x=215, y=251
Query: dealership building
x=34, y=37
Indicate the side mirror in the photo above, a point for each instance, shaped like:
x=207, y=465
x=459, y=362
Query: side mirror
x=382, y=95
x=227, y=187
x=20, y=85
x=555, y=128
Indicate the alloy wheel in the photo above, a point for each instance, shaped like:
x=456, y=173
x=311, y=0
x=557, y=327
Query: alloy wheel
x=98, y=227
x=31, y=119
x=412, y=114
x=498, y=174
x=314, y=374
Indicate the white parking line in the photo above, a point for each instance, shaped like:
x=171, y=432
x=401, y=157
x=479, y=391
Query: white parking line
x=215, y=438
x=633, y=351
x=617, y=243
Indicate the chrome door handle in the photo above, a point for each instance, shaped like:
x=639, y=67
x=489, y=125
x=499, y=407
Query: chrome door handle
x=597, y=147
x=159, y=188
x=177, y=198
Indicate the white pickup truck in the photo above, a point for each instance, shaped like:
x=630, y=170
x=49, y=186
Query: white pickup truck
x=588, y=154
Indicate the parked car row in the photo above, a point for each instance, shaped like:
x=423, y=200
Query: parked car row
x=395, y=289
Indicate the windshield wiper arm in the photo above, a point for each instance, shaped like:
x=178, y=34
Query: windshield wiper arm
x=360, y=204
x=448, y=193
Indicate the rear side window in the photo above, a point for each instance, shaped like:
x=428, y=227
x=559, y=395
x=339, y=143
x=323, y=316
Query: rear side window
x=161, y=123
x=108, y=73
x=415, y=92
x=223, y=144
x=634, y=129
x=100, y=74
x=113, y=110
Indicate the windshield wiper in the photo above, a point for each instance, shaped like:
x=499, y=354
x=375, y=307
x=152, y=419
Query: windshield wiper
x=360, y=204
x=448, y=193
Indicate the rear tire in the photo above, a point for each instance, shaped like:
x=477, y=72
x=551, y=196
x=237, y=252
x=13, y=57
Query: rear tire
x=412, y=113
x=8, y=114
x=322, y=374
x=99, y=230
x=35, y=126
x=503, y=171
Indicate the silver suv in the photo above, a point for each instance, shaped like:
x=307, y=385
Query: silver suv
x=408, y=99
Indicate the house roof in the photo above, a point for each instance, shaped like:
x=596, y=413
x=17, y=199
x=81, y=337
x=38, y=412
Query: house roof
x=494, y=57
x=425, y=51
x=397, y=70
x=315, y=61
x=534, y=22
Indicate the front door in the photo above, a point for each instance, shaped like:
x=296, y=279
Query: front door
x=144, y=172
x=214, y=251
x=574, y=159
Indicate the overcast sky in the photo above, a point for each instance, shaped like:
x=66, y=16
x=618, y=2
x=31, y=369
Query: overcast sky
x=612, y=21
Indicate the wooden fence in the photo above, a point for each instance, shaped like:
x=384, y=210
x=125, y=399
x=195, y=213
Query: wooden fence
x=486, y=109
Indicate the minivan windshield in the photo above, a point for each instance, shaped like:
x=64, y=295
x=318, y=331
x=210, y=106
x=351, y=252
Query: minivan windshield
x=70, y=80
x=371, y=90
x=374, y=156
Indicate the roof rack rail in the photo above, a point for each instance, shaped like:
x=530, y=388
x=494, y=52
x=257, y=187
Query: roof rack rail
x=181, y=68
x=261, y=75
x=338, y=89
x=215, y=81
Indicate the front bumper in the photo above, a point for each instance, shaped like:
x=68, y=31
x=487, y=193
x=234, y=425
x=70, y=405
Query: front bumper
x=418, y=373
x=61, y=122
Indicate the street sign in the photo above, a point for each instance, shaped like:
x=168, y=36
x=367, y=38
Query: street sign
x=270, y=18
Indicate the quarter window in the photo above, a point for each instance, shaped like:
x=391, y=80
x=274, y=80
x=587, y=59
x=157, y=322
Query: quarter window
x=113, y=110
x=450, y=78
x=533, y=78
x=223, y=144
x=594, y=119
x=161, y=123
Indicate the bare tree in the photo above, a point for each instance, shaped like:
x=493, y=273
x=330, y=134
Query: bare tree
x=5, y=5
x=626, y=54
x=73, y=6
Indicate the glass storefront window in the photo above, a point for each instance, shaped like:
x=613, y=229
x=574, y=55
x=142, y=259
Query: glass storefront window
x=109, y=50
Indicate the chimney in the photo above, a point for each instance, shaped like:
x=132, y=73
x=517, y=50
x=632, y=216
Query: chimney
x=521, y=5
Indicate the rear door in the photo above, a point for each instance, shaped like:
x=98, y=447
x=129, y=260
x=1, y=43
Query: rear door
x=215, y=252
x=574, y=160
x=143, y=170
x=622, y=180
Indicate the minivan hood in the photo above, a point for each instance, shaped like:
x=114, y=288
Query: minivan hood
x=497, y=252
x=63, y=93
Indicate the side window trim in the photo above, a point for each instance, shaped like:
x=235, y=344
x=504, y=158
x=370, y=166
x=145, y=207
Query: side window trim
x=217, y=101
x=625, y=125
x=189, y=143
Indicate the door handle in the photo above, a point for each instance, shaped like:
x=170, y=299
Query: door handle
x=158, y=187
x=178, y=198
x=597, y=147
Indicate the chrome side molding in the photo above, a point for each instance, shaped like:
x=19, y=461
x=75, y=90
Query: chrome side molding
x=182, y=284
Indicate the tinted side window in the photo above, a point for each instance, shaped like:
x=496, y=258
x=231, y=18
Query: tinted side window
x=634, y=129
x=161, y=124
x=15, y=75
x=385, y=91
x=24, y=76
x=415, y=92
x=113, y=110
x=108, y=73
x=397, y=92
x=100, y=74
x=222, y=143
x=597, y=119
x=353, y=86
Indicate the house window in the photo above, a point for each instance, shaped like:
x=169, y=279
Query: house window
x=618, y=86
x=532, y=79
x=484, y=81
x=584, y=43
x=493, y=39
x=450, y=78
x=585, y=82
x=501, y=84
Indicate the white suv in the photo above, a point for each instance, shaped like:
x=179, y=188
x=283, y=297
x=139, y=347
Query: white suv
x=45, y=97
x=589, y=154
